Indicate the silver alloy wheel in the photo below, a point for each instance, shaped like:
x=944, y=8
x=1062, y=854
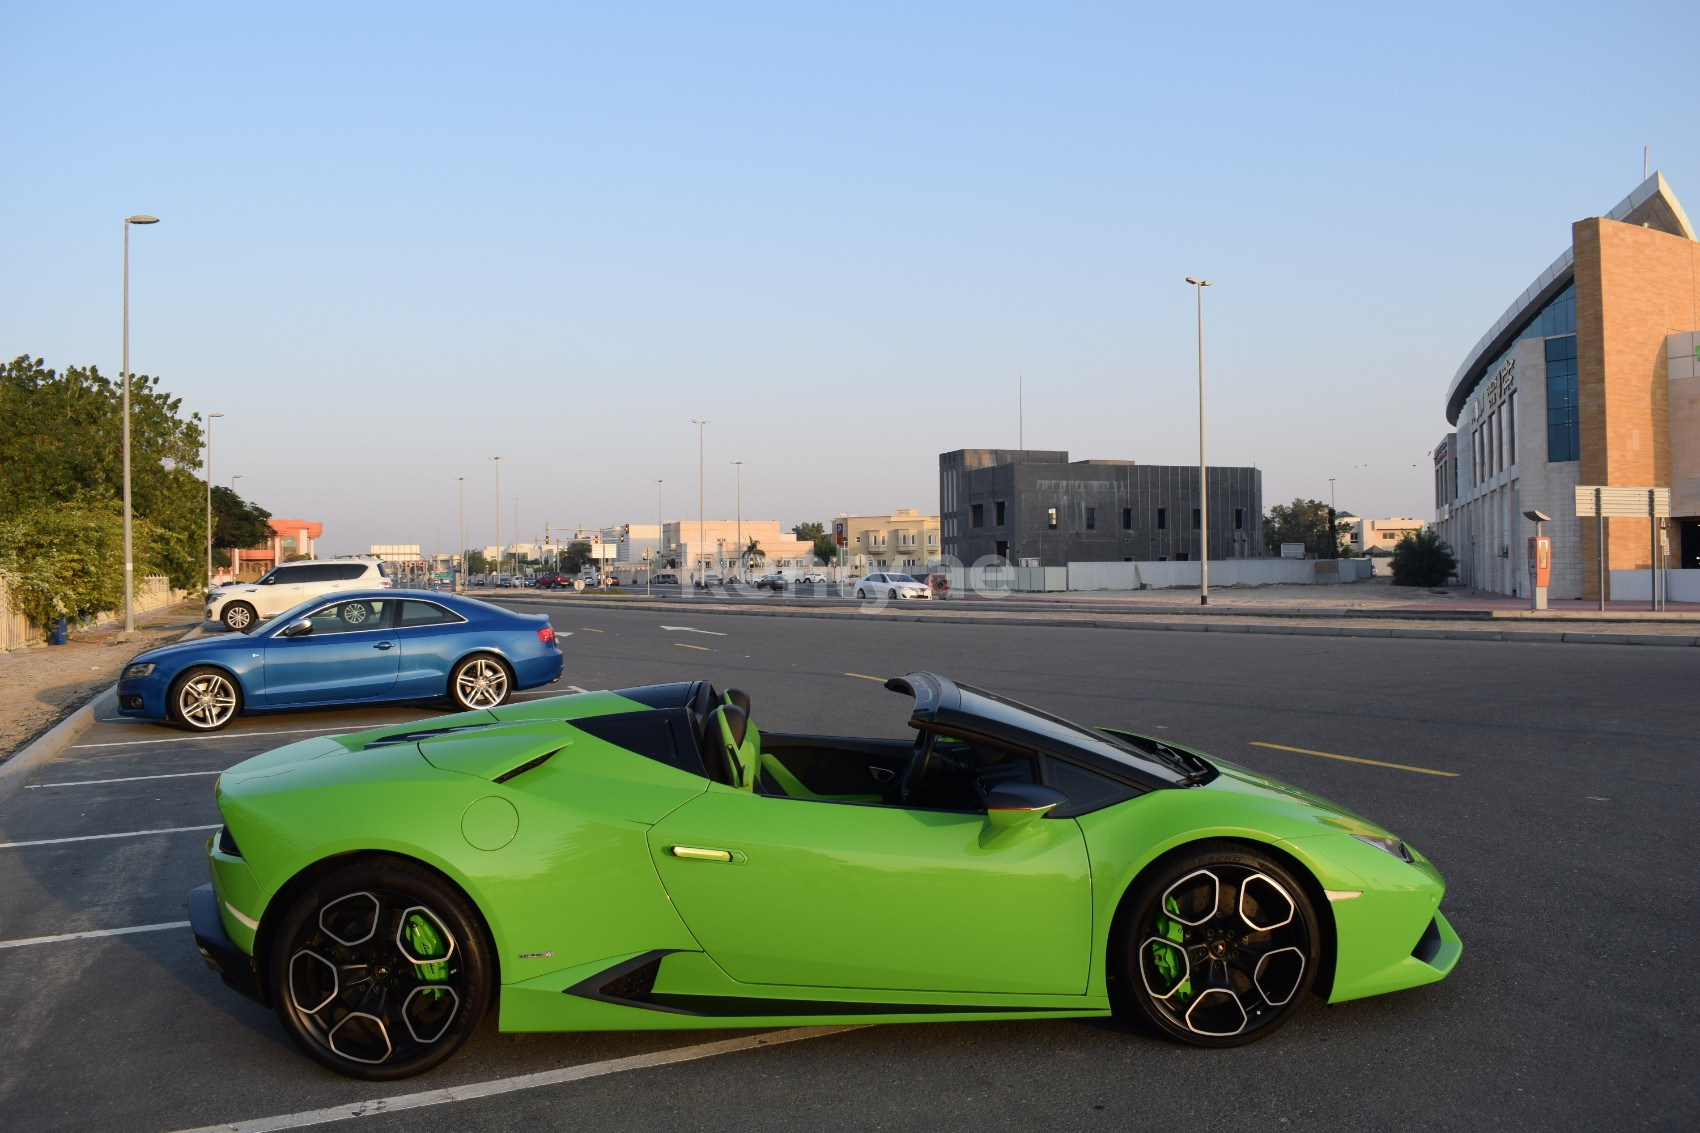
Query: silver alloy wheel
x=206, y=701
x=480, y=682
x=238, y=616
x=356, y=613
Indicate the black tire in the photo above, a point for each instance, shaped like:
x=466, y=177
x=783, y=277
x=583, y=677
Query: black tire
x=204, y=699
x=239, y=617
x=860, y=593
x=360, y=997
x=480, y=681
x=892, y=594
x=1189, y=954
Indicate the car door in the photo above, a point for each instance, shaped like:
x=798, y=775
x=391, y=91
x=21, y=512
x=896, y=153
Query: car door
x=823, y=894
x=286, y=586
x=350, y=653
x=431, y=638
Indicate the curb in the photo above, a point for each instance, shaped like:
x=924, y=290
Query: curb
x=51, y=744
x=1195, y=624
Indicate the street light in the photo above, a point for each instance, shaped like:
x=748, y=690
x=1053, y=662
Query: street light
x=702, y=538
x=233, y=480
x=516, y=535
x=739, y=465
x=1333, y=528
x=210, y=417
x=129, y=556
x=1198, y=286
x=460, y=557
x=498, y=461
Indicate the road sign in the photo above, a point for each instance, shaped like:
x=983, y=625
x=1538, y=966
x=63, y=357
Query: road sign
x=838, y=533
x=1640, y=503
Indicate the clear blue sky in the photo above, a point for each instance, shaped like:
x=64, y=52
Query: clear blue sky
x=398, y=239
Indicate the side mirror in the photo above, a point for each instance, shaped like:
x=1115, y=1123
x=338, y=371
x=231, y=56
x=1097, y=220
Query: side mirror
x=1016, y=804
x=298, y=629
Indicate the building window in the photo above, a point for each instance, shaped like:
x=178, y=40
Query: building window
x=1197, y=519
x=977, y=515
x=1239, y=519
x=997, y=513
x=1511, y=428
x=1051, y=521
x=1564, y=428
x=1091, y=519
x=1162, y=518
x=1127, y=519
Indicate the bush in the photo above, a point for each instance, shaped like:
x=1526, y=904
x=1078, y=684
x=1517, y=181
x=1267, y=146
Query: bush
x=63, y=562
x=1422, y=558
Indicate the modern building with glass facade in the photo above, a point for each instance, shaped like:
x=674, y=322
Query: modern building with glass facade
x=1575, y=384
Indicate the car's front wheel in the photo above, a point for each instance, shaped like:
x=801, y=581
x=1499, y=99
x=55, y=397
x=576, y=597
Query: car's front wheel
x=380, y=970
x=480, y=681
x=861, y=593
x=1217, y=947
x=238, y=616
x=204, y=699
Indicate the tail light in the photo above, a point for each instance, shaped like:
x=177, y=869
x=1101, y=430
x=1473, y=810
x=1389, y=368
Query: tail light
x=546, y=634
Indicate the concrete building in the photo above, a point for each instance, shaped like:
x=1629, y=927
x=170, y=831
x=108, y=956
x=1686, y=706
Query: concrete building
x=1020, y=505
x=1587, y=379
x=286, y=539
x=714, y=545
x=1366, y=535
x=905, y=538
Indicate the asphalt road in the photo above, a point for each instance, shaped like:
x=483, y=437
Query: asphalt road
x=1561, y=825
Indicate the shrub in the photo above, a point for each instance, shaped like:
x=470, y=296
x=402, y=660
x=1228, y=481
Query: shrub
x=1422, y=558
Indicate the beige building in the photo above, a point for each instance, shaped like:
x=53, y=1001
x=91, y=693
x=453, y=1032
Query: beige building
x=714, y=545
x=906, y=538
x=1365, y=535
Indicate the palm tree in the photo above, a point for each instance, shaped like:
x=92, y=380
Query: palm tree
x=753, y=553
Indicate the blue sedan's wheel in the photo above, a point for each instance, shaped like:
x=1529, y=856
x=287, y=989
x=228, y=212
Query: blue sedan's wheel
x=480, y=681
x=204, y=699
x=380, y=970
x=1217, y=947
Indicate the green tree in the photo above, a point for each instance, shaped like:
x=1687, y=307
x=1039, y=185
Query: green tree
x=753, y=553
x=1303, y=521
x=62, y=444
x=809, y=532
x=236, y=522
x=1422, y=558
x=475, y=562
x=63, y=561
x=826, y=550
x=575, y=557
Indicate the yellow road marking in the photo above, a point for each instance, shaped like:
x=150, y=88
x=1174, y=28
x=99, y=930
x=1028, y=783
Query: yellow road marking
x=865, y=677
x=698, y=648
x=1355, y=759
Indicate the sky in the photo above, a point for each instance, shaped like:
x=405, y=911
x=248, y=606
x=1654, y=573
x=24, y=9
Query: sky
x=399, y=239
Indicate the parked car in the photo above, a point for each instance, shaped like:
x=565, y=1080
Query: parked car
x=773, y=581
x=939, y=584
x=708, y=580
x=358, y=645
x=888, y=585
x=644, y=859
x=665, y=578
x=242, y=606
x=554, y=580
x=813, y=578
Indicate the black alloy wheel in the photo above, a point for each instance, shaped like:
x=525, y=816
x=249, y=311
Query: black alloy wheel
x=1218, y=947
x=380, y=970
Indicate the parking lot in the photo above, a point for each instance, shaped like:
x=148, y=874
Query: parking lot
x=1553, y=785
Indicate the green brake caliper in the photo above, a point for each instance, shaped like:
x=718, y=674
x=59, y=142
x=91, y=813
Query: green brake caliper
x=1168, y=960
x=426, y=941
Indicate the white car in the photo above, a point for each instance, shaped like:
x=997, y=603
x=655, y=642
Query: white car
x=813, y=578
x=891, y=586
x=242, y=606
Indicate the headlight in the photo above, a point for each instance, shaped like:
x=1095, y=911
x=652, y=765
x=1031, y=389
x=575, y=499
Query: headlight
x=138, y=671
x=1386, y=845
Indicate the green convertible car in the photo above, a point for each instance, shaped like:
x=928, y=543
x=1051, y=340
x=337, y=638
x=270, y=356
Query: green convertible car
x=646, y=858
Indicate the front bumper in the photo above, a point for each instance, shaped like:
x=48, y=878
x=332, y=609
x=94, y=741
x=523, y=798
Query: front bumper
x=234, y=966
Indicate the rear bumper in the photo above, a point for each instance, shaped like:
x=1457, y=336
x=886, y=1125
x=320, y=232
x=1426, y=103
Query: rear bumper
x=234, y=966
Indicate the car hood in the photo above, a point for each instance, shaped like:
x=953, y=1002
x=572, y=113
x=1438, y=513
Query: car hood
x=197, y=647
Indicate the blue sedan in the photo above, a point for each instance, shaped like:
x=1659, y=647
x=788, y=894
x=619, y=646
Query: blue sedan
x=358, y=646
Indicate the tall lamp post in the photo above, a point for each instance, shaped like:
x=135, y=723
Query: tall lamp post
x=1198, y=286
x=702, y=526
x=660, y=522
x=739, y=465
x=129, y=555
x=498, y=461
x=516, y=536
x=460, y=556
x=210, y=417
x=1333, y=529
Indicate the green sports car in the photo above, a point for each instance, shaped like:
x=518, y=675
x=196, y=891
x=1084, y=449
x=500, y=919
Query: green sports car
x=646, y=858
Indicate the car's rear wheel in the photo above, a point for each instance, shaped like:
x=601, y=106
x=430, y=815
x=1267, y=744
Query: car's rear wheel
x=480, y=681
x=204, y=699
x=380, y=970
x=238, y=616
x=1217, y=947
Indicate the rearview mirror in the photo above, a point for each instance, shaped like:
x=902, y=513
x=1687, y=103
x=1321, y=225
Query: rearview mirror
x=298, y=629
x=1016, y=804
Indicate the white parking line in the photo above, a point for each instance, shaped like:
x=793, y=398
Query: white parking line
x=129, y=779
x=98, y=837
x=474, y=1090
x=223, y=736
x=27, y=941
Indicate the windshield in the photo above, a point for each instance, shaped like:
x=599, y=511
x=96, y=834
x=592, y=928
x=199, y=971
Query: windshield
x=900, y=578
x=1014, y=714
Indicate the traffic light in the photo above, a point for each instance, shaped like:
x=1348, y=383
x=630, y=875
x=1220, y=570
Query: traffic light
x=625, y=532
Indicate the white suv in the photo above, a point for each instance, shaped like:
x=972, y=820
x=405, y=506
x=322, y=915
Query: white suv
x=243, y=605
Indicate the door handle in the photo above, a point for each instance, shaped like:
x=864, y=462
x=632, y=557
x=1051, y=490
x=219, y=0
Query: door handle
x=701, y=854
x=384, y=645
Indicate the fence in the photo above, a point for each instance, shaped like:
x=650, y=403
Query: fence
x=18, y=632
x=1223, y=572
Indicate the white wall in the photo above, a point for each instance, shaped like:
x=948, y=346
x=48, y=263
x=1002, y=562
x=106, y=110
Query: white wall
x=1223, y=572
x=1633, y=585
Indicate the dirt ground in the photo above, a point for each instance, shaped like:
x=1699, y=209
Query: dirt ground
x=42, y=685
